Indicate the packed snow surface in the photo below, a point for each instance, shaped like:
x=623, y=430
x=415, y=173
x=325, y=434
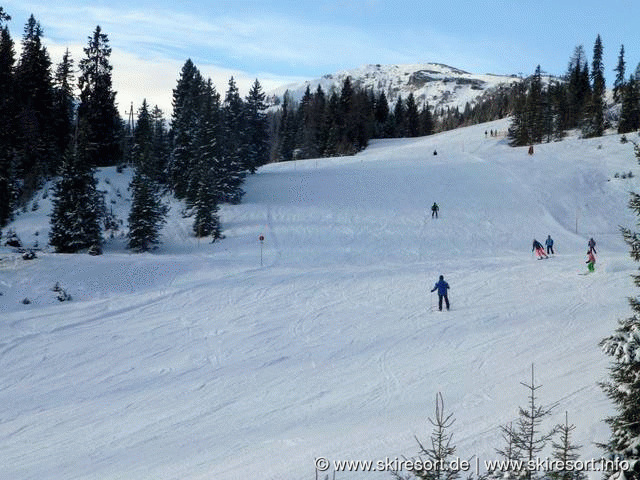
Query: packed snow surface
x=235, y=359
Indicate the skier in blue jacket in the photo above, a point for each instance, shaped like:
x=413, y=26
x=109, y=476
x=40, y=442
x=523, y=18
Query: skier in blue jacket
x=549, y=244
x=442, y=288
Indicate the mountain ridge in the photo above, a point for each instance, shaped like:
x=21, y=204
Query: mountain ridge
x=439, y=85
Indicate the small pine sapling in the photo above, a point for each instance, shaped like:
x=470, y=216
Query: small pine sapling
x=565, y=454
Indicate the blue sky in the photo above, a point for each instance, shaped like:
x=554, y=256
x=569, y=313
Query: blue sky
x=281, y=41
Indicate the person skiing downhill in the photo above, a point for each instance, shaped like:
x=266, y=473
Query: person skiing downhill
x=442, y=288
x=592, y=245
x=434, y=210
x=591, y=261
x=549, y=244
x=537, y=246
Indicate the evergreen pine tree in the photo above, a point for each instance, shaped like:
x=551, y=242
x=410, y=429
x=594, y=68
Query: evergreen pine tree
x=623, y=386
x=97, y=114
x=618, y=83
x=524, y=441
x=208, y=161
x=317, y=122
x=381, y=115
x=161, y=146
x=4, y=16
x=185, y=124
x=142, y=149
x=426, y=120
x=257, y=135
x=332, y=127
x=565, y=453
x=594, y=120
x=578, y=88
x=210, y=184
x=34, y=91
x=441, y=450
x=511, y=453
x=78, y=207
x=360, y=121
x=519, y=129
x=147, y=213
x=63, y=102
x=306, y=138
x=399, y=118
x=7, y=120
x=558, y=109
x=529, y=440
x=630, y=109
x=233, y=147
x=345, y=120
x=413, y=118
x=287, y=130
x=206, y=222
x=535, y=108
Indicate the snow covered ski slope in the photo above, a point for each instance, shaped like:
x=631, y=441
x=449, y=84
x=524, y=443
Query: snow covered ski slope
x=194, y=362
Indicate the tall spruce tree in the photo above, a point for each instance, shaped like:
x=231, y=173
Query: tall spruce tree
x=7, y=120
x=185, y=124
x=578, y=87
x=399, y=118
x=306, y=138
x=318, y=122
x=535, y=108
x=142, y=149
x=233, y=146
x=209, y=183
x=147, y=214
x=206, y=222
x=630, y=110
x=594, y=120
x=618, y=83
x=98, y=117
x=381, y=116
x=257, y=134
x=34, y=91
x=426, y=120
x=78, y=207
x=519, y=134
x=623, y=386
x=64, y=102
x=413, y=117
x=332, y=128
x=287, y=129
x=161, y=145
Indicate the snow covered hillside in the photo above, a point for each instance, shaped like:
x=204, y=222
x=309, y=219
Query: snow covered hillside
x=439, y=85
x=197, y=362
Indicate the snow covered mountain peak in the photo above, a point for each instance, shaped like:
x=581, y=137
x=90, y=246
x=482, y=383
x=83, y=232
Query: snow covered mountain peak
x=436, y=84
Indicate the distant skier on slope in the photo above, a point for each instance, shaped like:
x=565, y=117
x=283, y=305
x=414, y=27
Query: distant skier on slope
x=537, y=246
x=591, y=261
x=434, y=210
x=592, y=245
x=442, y=288
x=549, y=244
